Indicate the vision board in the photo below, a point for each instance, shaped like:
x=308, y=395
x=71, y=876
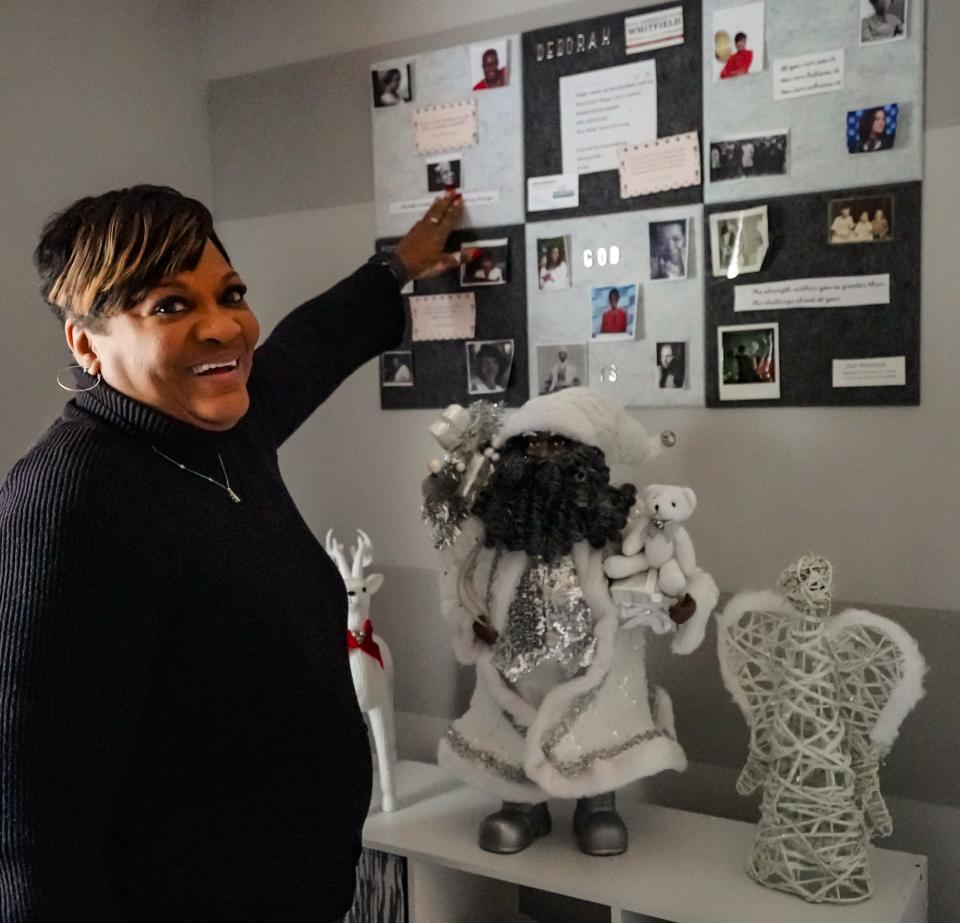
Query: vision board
x=594, y=85
x=598, y=141
x=466, y=333
x=833, y=315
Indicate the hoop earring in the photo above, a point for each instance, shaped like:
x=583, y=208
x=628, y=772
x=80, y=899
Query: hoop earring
x=96, y=384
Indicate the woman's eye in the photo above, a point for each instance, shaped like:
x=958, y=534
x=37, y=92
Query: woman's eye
x=170, y=306
x=235, y=294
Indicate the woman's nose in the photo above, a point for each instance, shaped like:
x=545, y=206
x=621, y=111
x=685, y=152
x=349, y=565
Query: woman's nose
x=214, y=322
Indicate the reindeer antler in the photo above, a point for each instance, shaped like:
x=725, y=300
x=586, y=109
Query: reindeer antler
x=362, y=553
x=335, y=550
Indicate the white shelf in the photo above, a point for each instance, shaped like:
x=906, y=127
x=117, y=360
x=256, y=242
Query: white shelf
x=683, y=867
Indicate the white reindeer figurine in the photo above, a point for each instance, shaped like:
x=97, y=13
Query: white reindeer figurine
x=370, y=662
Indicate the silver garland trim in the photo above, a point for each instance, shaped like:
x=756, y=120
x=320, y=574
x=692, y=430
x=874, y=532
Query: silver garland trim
x=459, y=744
x=573, y=768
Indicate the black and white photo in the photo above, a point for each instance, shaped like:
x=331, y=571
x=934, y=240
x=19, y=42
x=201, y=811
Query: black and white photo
x=396, y=369
x=561, y=366
x=749, y=155
x=392, y=85
x=882, y=21
x=739, y=241
x=671, y=364
x=443, y=174
x=488, y=366
x=749, y=362
x=484, y=262
x=669, y=250
x=860, y=220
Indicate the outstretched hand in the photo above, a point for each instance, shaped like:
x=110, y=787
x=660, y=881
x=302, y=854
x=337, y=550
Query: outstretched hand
x=421, y=251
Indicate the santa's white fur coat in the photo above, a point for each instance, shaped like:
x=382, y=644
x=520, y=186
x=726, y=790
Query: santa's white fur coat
x=504, y=745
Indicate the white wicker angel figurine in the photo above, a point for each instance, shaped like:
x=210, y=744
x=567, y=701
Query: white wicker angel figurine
x=824, y=697
x=525, y=514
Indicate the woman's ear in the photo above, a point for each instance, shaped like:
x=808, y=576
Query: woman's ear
x=81, y=345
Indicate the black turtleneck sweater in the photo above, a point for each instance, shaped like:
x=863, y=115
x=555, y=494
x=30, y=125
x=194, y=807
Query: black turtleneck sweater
x=179, y=735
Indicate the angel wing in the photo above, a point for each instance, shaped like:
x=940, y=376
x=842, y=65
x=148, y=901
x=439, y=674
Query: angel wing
x=751, y=634
x=880, y=671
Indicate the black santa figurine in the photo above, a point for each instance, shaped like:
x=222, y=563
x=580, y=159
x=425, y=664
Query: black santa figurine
x=524, y=515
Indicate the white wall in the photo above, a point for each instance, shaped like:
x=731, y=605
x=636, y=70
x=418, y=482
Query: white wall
x=96, y=95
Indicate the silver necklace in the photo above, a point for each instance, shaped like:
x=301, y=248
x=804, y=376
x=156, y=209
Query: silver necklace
x=231, y=493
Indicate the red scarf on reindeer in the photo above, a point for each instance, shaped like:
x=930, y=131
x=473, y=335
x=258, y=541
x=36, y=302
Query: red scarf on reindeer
x=364, y=642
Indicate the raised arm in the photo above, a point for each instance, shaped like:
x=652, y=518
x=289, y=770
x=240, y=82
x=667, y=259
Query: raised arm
x=77, y=639
x=318, y=345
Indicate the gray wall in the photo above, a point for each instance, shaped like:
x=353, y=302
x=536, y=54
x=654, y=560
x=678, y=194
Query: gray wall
x=96, y=95
x=876, y=490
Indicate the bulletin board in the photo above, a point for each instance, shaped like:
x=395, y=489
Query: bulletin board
x=828, y=355
x=800, y=39
x=551, y=57
x=788, y=111
x=670, y=309
x=439, y=369
x=491, y=177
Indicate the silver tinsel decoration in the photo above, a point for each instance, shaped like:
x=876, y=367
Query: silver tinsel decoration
x=449, y=492
x=548, y=620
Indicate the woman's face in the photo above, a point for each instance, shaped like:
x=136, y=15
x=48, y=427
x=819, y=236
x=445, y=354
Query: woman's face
x=881, y=6
x=187, y=347
x=489, y=370
x=879, y=123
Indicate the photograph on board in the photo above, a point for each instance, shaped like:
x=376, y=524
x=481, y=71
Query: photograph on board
x=614, y=311
x=484, y=262
x=444, y=173
x=738, y=41
x=561, y=366
x=672, y=364
x=873, y=129
x=488, y=65
x=396, y=369
x=860, y=220
x=392, y=86
x=669, y=248
x=488, y=366
x=882, y=21
x=745, y=156
x=553, y=267
x=739, y=241
x=749, y=362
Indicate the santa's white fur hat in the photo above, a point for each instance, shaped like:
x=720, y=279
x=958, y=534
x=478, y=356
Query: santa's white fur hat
x=588, y=417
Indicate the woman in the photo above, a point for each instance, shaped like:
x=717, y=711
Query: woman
x=863, y=230
x=872, y=133
x=489, y=364
x=553, y=271
x=179, y=732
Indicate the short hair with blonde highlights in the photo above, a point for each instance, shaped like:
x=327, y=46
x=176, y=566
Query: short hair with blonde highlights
x=104, y=253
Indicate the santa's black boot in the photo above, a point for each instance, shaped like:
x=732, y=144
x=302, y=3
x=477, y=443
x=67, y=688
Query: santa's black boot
x=514, y=827
x=598, y=827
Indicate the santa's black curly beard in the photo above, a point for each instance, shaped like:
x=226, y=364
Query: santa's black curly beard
x=547, y=493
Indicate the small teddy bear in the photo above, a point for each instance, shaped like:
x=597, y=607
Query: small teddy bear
x=656, y=541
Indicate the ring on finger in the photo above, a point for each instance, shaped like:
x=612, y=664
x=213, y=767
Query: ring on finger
x=433, y=219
